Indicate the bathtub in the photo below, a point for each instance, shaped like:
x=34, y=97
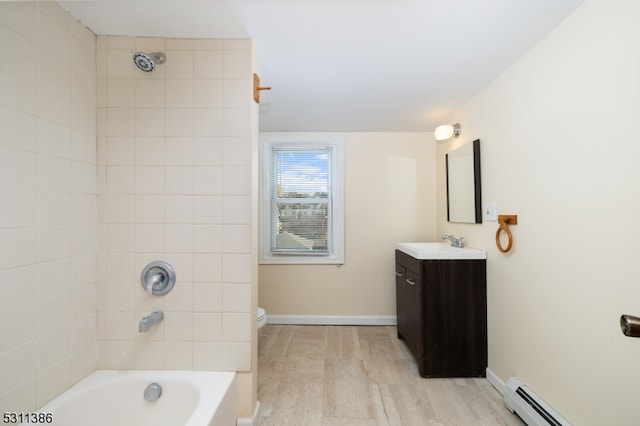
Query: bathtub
x=107, y=398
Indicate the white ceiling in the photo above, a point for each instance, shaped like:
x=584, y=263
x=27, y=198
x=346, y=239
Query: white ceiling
x=351, y=65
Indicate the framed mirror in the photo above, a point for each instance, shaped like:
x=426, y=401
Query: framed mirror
x=464, y=197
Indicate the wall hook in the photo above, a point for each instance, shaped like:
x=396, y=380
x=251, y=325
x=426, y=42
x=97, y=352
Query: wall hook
x=257, y=88
x=504, y=220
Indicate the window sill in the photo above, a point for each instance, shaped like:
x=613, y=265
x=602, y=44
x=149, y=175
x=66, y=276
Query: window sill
x=301, y=260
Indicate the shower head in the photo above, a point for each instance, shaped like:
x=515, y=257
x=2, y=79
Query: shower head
x=147, y=61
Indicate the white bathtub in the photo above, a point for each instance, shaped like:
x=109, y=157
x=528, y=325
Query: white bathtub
x=108, y=398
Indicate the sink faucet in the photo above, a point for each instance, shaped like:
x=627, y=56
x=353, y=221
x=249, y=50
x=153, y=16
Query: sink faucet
x=151, y=319
x=455, y=242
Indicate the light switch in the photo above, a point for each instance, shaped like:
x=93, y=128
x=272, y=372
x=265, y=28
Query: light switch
x=490, y=212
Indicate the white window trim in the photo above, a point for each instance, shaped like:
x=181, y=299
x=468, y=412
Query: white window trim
x=336, y=254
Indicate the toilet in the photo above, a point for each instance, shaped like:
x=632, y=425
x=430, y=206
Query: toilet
x=262, y=317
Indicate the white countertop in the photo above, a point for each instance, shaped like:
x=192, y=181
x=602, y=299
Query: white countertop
x=440, y=250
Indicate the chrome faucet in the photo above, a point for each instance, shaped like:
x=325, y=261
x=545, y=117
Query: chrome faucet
x=151, y=319
x=455, y=242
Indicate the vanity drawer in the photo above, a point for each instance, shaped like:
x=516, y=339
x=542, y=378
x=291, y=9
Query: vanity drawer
x=409, y=263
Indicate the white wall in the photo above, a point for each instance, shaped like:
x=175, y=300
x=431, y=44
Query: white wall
x=48, y=238
x=389, y=188
x=560, y=148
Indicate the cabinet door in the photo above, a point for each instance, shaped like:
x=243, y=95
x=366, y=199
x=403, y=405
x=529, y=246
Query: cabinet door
x=401, y=301
x=409, y=309
x=455, y=318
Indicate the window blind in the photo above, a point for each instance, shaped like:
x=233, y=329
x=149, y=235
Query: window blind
x=301, y=200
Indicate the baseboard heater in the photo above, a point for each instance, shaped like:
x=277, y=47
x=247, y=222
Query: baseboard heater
x=520, y=400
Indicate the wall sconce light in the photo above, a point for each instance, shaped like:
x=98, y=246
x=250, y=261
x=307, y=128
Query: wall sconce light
x=447, y=131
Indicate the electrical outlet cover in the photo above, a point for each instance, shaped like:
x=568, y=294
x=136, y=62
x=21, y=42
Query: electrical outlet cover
x=490, y=212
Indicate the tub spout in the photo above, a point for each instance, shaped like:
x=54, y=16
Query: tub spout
x=151, y=319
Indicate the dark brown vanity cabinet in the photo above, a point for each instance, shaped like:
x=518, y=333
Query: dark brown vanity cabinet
x=442, y=314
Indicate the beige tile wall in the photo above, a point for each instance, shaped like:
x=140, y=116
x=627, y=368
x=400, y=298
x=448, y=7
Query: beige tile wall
x=175, y=182
x=169, y=178
x=48, y=218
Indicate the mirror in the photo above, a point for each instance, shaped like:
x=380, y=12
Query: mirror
x=463, y=184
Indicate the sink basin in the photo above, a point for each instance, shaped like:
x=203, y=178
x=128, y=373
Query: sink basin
x=442, y=250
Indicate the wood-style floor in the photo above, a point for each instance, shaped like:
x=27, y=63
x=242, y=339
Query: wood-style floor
x=361, y=375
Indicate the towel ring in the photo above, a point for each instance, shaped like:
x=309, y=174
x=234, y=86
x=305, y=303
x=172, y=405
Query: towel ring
x=505, y=221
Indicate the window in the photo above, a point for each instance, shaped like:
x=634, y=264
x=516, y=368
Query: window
x=301, y=215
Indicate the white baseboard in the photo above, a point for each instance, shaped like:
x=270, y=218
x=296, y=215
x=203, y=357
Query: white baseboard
x=250, y=421
x=331, y=319
x=495, y=381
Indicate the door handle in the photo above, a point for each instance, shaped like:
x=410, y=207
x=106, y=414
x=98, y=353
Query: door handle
x=410, y=281
x=630, y=325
